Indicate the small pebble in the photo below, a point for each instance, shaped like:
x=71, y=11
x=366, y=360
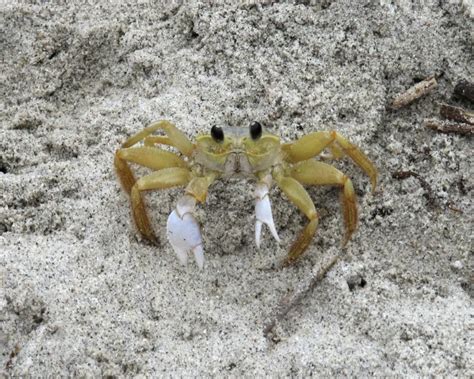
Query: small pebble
x=457, y=265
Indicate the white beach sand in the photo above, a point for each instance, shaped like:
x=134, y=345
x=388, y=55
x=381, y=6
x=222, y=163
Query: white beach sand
x=83, y=295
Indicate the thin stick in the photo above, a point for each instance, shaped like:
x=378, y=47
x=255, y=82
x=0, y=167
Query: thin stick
x=288, y=303
x=418, y=90
x=465, y=90
x=456, y=114
x=448, y=126
x=402, y=175
x=432, y=200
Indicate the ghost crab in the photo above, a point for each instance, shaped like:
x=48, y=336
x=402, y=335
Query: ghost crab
x=255, y=154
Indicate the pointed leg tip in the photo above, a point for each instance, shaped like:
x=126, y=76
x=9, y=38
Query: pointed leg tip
x=345, y=241
x=374, y=185
x=153, y=239
x=347, y=237
x=149, y=238
x=287, y=262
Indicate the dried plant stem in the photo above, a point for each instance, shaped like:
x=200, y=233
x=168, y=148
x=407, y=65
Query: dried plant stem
x=449, y=126
x=456, y=114
x=418, y=90
x=289, y=302
x=402, y=175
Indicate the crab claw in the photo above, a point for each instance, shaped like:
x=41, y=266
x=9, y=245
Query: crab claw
x=263, y=212
x=184, y=233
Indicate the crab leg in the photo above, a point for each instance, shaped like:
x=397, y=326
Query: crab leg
x=263, y=210
x=157, y=140
x=335, y=152
x=313, y=144
x=174, y=136
x=182, y=229
x=298, y=196
x=150, y=157
x=166, y=178
x=318, y=173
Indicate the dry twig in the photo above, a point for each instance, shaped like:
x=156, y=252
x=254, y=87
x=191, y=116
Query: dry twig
x=418, y=90
x=456, y=114
x=431, y=198
x=448, y=126
x=288, y=303
x=402, y=175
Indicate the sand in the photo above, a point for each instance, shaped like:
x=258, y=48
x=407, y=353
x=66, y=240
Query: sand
x=82, y=294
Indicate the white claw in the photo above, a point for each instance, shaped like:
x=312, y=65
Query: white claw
x=199, y=256
x=263, y=212
x=184, y=233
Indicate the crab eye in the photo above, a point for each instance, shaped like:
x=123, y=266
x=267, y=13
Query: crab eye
x=255, y=130
x=217, y=134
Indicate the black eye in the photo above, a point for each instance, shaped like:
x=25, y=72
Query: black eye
x=255, y=130
x=217, y=134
